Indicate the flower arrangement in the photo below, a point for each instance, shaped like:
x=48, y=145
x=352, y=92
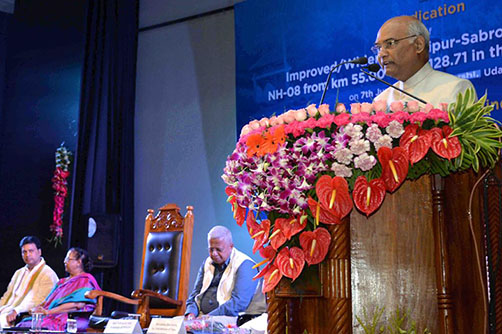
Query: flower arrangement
x=60, y=186
x=291, y=174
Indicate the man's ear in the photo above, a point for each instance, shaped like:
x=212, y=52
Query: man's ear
x=420, y=44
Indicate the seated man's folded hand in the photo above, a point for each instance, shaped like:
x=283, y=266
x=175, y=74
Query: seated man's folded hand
x=11, y=316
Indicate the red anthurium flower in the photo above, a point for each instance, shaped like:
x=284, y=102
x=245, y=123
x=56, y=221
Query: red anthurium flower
x=315, y=244
x=272, y=276
x=368, y=196
x=416, y=141
x=268, y=255
x=231, y=194
x=291, y=225
x=322, y=215
x=239, y=211
x=394, y=166
x=444, y=145
x=258, y=232
x=290, y=262
x=333, y=194
x=277, y=238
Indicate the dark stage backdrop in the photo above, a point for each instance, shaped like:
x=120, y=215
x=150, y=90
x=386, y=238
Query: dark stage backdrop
x=39, y=111
x=285, y=48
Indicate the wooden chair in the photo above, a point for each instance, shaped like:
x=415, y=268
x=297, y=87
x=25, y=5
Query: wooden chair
x=165, y=267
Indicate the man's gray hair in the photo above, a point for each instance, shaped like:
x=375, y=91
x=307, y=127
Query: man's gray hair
x=415, y=27
x=220, y=232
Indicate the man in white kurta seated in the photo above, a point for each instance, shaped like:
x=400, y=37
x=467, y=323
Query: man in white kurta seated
x=402, y=47
x=224, y=284
x=30, y=284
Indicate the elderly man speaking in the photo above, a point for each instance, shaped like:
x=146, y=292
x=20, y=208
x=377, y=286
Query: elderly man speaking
x=402, y=47
x=224, y=284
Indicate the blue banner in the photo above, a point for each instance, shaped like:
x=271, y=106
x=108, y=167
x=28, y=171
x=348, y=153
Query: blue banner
x=286, y=48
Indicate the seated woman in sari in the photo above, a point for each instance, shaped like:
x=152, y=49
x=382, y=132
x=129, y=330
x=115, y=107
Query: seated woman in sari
x=68, y=294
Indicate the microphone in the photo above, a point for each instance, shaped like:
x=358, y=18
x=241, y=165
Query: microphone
x=360, y=60
x=376, y=68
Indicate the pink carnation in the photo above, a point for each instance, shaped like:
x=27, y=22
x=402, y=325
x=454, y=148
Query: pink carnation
x=326, y=120
x=379, y=106
x=342, y=119
x=444, y=106
x=396, y=106
x=400, y=116
x=295, y=128
x=361, y=117
x=436, y=115
x=310, y=123
x=382, y=119
x=418, y=117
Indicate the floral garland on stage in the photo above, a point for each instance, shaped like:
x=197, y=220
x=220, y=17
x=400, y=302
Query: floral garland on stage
x=60, y=186
x=291, y=174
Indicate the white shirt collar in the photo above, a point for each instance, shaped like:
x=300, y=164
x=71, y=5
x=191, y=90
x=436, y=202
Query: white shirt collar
x=418, y=77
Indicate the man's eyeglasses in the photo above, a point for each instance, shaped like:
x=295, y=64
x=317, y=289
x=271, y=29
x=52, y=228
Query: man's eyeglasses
x=388, y=44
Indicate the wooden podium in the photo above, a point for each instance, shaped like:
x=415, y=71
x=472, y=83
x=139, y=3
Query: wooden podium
x=416, y=253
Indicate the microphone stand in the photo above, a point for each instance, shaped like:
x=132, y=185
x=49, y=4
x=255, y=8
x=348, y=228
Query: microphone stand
x=388, y=84
x=360, y=60
x=327, y=81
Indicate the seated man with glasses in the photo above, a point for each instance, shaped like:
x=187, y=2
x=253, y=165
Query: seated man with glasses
x=402, y=47
x=224, y=284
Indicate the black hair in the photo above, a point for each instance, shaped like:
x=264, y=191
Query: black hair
x=84, y=257
x=30, y=239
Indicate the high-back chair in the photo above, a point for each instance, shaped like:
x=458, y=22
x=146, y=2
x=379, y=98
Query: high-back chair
x=165, y=267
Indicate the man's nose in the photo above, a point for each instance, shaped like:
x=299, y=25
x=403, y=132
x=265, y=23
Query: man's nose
x=382, y=53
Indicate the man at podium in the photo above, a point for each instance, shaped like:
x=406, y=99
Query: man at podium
x=402, y=47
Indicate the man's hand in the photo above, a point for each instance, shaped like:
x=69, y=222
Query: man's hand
x=39, y=309
x=11, y=316
x=189, y=316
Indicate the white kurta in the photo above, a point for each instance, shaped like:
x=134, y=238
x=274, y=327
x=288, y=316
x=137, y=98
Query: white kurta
x=433, y=86
x=20, y=297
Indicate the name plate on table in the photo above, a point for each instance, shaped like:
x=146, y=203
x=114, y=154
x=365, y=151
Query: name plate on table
x=167, y=326
x=123, y=326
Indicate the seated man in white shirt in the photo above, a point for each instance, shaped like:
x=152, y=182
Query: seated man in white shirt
x=29, y=285
x=224, y=284
x=402, y=47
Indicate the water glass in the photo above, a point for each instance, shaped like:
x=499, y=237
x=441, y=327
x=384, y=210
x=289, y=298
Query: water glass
x=71, y=325
x=36, y=321
x=206, y=323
